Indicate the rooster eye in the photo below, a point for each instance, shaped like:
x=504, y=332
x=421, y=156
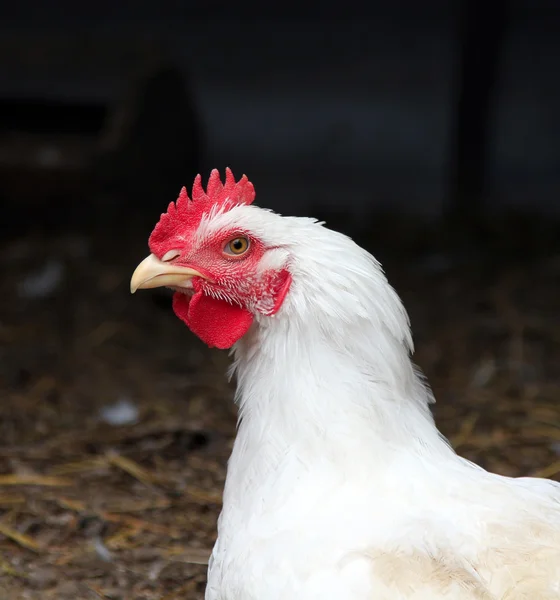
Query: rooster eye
x=237, y=246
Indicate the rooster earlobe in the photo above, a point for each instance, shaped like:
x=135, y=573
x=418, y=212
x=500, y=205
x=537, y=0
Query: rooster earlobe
x=282, y=287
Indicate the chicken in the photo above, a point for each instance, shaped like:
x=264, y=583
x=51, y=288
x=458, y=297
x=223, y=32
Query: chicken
x=339, y=484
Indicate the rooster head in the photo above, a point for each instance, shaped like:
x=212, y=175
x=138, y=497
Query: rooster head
x=216, y=258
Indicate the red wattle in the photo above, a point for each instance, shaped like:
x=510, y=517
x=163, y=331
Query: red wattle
x=216, y=322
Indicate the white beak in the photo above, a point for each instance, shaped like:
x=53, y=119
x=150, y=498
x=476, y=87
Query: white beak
x=152, y=273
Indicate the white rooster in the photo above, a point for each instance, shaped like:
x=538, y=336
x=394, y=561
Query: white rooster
x=340, y=486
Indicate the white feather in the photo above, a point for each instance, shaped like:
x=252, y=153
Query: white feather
x=339, y=485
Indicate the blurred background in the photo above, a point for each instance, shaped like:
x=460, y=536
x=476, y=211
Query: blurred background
x=430, y=132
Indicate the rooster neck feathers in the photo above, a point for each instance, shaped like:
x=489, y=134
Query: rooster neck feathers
x=339, y=484
x=340, y=311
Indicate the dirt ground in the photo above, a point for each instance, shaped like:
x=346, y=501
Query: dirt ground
x=116, y=423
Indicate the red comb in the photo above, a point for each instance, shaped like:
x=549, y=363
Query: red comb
x=186, y=214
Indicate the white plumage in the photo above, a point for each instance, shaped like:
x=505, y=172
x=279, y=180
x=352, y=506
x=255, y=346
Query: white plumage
x=339, y=485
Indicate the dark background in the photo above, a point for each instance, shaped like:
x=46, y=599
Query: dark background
x=362, y=105
x=428, y=131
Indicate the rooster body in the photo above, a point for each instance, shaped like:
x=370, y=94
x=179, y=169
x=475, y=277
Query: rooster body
x=339, y=485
